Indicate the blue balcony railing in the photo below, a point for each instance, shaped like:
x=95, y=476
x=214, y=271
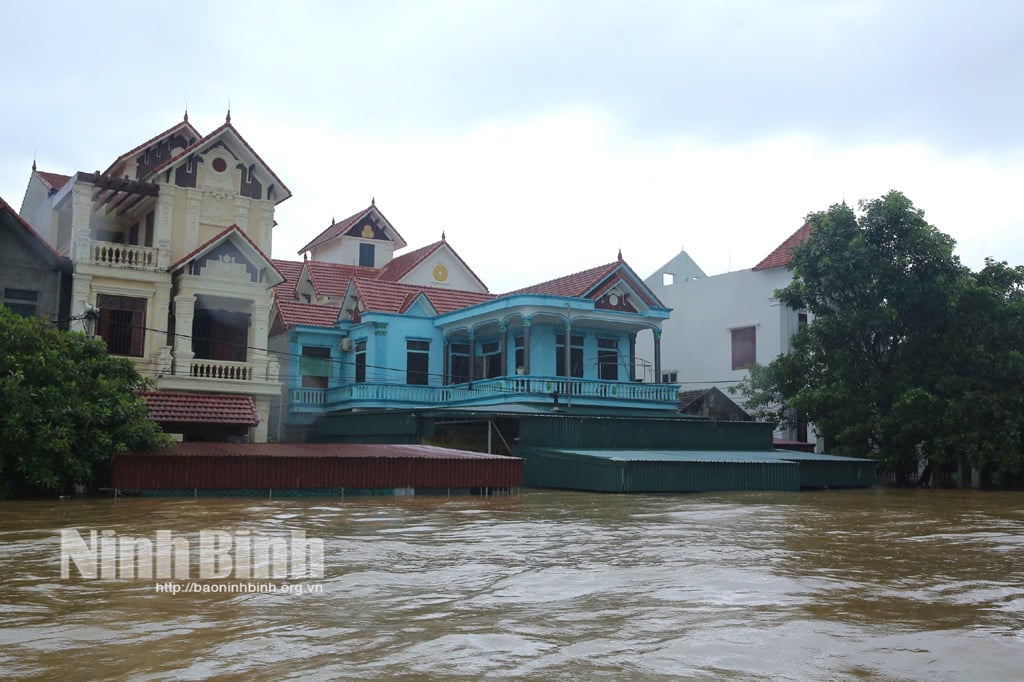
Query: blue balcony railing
x=496, y=391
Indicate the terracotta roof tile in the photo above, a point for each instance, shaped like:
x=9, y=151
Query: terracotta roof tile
x=50, y=251
x=55, y=181
x=204, y=140
x=207, y=408
x=391, y=297
x=400, y=266
x=782, y=255
x=336, y=229
x=572, y=286
x=404, y=264
x=291, y=313
x=153, y=140
x=331, y=279
x=290, y=270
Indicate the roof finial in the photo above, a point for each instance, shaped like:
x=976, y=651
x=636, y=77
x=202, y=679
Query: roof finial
x=305, y=256
x=186, y=111
x=373, y=201
x=620, y=254
x=442, y=234
x=227, y=119
x=33, y=160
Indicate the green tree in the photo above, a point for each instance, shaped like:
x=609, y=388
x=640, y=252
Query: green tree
x=68, y=407
x=909, y=354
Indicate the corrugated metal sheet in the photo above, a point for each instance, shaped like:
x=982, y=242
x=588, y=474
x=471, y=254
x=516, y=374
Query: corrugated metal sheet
x=632, y=472
x=231, y=466
x=832, y=471
x=643, y=433
x=610, y=470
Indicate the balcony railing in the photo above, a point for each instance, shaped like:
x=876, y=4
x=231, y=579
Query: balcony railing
x=124, y=255
x=498, y=390
x=221, y=369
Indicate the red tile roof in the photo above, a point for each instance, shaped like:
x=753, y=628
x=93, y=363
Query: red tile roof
x=401, y=266
x=53, y=180
x=782, y=256
x=572, y=286
x=32, y=234
x=153, y=140
x=209, y=138
x=391, y=297
x=217, y=237
x=331, y=279
x=207, y=408
x=337, y=229
x=290, y=270
x=291, y=313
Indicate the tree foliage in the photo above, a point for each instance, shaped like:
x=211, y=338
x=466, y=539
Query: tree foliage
x=909, y=353
x=68, y=407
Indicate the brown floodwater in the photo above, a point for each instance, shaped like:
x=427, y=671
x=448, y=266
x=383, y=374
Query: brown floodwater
x=839, y=585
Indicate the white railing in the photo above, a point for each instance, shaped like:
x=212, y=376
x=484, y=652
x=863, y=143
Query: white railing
x=221, y=369
x=506, y=388
x=125, y=255
x=309, y=396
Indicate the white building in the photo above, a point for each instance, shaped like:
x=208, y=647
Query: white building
x=722, y=324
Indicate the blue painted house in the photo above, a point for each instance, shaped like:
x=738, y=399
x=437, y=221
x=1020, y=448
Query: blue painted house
x=356, y=327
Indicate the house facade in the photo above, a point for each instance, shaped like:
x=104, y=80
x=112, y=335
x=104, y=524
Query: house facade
x=34, y=279
x=169, y=246
x=724, y=323
x=371, y=330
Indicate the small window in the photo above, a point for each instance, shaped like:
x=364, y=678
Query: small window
x=669, y=377
x=21, y=301
x=608, y=359
x=575, y=355
x=744, y=347
x=667, y=279
x=123, y=324
x=488, y=361
x=801, y=320
x=417, y=362
x=361, y=361
x=366, y=255
x=315, y=366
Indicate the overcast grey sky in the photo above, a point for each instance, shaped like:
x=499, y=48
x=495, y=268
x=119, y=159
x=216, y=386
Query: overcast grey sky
x=544, y=136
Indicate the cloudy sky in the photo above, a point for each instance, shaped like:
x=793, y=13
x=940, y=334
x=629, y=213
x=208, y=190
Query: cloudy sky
x=543, y=136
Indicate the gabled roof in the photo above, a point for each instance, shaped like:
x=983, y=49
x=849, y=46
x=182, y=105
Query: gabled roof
x=401, y=266
x=53, y=181
x=290, y=270
x=391, y=297
x=782, y=255
x=570, y=286
x=207, y=408
x=33, y=236
x=181, y=126
x=226, y=129
x=331, y=279
x=593, y=283
x=291, y=313
x=337, y=229
x=221, y=236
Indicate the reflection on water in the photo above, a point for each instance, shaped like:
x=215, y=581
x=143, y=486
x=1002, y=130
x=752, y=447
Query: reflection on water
x=876, y=584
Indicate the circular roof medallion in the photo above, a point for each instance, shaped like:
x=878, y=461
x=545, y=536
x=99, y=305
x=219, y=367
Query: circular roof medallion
x=219, y=165
x=440, y=273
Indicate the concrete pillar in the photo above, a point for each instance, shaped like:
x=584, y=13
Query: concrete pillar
x=184, y=311
x=81, y=286
x=503, y=344
x=657, y=356
x=526, y=346
x=632, y=357
x=472, y=358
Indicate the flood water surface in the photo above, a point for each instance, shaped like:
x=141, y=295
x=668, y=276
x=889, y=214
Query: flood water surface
x=839, y=585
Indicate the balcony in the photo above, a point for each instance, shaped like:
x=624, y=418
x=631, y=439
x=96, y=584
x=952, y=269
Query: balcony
x=496, y=391
x=221, y=370
x=126, y=256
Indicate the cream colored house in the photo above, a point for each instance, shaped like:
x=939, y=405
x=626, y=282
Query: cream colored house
x=171, y=244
